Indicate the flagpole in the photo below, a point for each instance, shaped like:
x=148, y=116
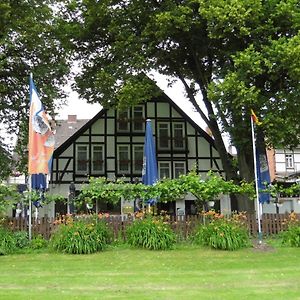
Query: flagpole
x=258, y=205
x=30, y=210
x=30, y=192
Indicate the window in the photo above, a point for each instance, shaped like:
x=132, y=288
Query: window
x=138, y=118
x=289, y=161
x=138, y=152
x=134, y=116
x=178, y=136
x=164, y=169
x=82, y=155
x=124, y=162
x=179, y=168
x=123, y=121
x=163, y=136
x=97, y=158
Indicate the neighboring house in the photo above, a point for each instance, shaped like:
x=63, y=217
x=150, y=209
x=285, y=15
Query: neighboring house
x=111, y=145
x=284, y=168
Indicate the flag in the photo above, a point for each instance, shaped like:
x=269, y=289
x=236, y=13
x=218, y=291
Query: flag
x=262, y=167
x=255, y=118
x=149, y=171
x=41, y=141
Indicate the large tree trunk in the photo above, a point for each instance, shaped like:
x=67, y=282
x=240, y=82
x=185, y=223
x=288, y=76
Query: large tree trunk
x=238, y=202
x=246, y=168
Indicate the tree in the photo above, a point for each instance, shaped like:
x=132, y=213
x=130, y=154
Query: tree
x=30, y=41
x=5, y=161
x=238, y=54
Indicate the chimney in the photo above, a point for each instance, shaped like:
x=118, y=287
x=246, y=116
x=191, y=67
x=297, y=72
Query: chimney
x=72, y=118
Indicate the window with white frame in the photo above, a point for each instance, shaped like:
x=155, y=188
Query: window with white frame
x=179, y=168
x=178, y=136
x=164, y=169
x=82, y=160
x=97, y=158
x=289, y=161
x=138, y=154
x=138, y=118
x=163, y=136
x=124, y=161
x=123, y=121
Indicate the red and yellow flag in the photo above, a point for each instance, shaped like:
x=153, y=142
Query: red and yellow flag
x=41, y=138
x=255, y=118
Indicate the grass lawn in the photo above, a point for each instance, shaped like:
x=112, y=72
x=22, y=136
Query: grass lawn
x=188, y=272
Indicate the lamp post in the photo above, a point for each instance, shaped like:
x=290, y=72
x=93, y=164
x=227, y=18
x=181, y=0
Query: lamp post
x=70, y=203
x=277, y=203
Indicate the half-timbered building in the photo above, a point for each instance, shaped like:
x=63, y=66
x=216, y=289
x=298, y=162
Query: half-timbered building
x=111, y=145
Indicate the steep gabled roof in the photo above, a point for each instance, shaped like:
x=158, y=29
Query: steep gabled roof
x=69, y=140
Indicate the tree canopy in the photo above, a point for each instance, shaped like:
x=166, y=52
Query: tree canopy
x=240, y=55
x=30, y=41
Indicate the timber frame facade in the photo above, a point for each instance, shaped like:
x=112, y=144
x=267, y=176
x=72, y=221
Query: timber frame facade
x=111, y=145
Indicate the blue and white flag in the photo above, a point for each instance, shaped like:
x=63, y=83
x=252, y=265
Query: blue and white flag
x=149, y=172
x=262, y=167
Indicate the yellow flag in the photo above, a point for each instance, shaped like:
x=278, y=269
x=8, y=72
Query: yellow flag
x=255, y=118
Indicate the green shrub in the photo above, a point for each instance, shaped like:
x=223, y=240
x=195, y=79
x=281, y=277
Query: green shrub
x=21, y=238
x=81, y=237
x=7, y=241
x=151, y=233
x=291, y=236
x=38, y=242
x=222, y=233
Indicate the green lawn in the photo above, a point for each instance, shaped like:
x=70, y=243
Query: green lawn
x=188, y=272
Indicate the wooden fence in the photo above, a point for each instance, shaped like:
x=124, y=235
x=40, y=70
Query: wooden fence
x=183, y=226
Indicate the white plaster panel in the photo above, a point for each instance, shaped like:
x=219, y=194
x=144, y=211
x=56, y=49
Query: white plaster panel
x=164, y=155
x=203, y=147
x=163, y=110
x=191, y=164
x=98, y=127
x=190, y=129
x=68, y=176
x=191, y=146
x=123, y=139
x=99, y=139
x=83, y=139
x=111, y=175
x=110, y=164
x=68, y=151
x=219, y=164
x=150, y=110
x=179, y=155
x=175, y=114
x=110, y=126
x=280, y=167
x=204, y=164
x=280, y=158
x=296, y=157
x=138, y=139
x=215, y=153
x=62, y=163
x=110, y=146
